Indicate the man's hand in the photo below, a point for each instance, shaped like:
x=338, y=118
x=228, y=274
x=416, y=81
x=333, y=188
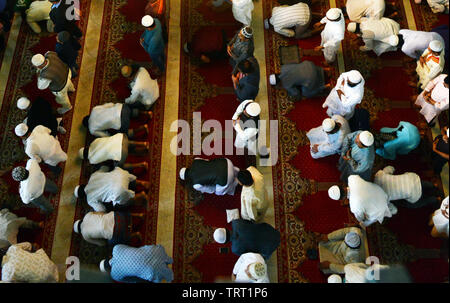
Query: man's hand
x=142, y=41
x=340, y=93
x=435, y=143
x=315, y=148
x=347, y=155
x=229, y=50
x=318, y=48
x=324, y=238
x=444, y=213
x=422, y=61
x=324, y=265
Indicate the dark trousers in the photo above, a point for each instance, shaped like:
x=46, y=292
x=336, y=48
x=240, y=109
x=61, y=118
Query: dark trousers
x=42, y=202
x=429, y=197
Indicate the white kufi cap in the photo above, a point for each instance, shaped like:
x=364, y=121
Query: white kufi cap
x=334, y=279
x=354, y=76
x=257, y=270
x=23, y=103
x=220, y=235
x=328, y=125
x=436, y=46
x=81, y=153
x=351, y=27
x=333, y=13
x=76, y=226
x=334, y=192
x=253, y=109
x=273, y=79
x=182, y=173
x=147, y=21
x=366, y=138
x=21, y=130
x=352, y=239
x=38, y=60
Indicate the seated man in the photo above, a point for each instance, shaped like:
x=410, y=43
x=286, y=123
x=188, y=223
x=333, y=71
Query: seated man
x=327, y=140
x=439, y=221
x=430, y=65
x=368, y=201
x=414, y=43
x=246, y=125
x=217, y=176
x=378, y=35
x=248, y=237
x=246, y=79
x=241, y=46
x=40, y=112
x=291, y=21
x=440, y=153
x=434, y=99
x=33, y=185
x=41, y=146
x=100, y=228
x=348, y=93
x=254, y=201
x=208, y=44
x=341, y=247
x=112, y=118
x=408, y=186
x=250, y=268
x=144, y=89
x=332, y=34
x=437, y=6
x=147, y=263
x=303, y=80
x=397, y=141
x=39, y=11
x=117, y=187
x=10, y=225
x=114, y=148
x=357, y=155
x=24, y=263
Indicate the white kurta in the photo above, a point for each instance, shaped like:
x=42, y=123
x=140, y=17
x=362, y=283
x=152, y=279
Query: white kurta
x=439, y=93
x=357, y=9
x=242, y=11
x=254, y=198
x=439, y=220
x=329, y=144
x=33, y=187
x=439, y=6
x=432, y=67
x=346, y=105
x=144, y=89
x=104, y=117
x=245, y=138
x=368, y=201
x=42, y=146
x=242, y=264
x=21, y=265
x=377, y=32
x=104, y=149
x=98, y=227
x=332, y=35
x=416, y=42
x=109, y=187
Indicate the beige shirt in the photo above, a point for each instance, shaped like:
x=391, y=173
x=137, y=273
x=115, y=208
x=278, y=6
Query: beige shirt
x=98, y=227
x=104, y=149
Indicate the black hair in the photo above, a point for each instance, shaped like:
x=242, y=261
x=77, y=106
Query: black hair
x=358, y=28
x=401, y=41
x=446, y=80
x=86, y=152
x=228, y=236
x=86, y=121
x=81, y=193
x=343, y=192
x=351, y=84
x=245, y=177
x=245, y=66
x=108, y=267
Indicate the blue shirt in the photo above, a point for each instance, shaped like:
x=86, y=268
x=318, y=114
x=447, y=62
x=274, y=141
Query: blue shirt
x=407, y=140
x=149, y=262
x=153, y=40
x=2, y=5
x=361, y=159
x=248, y=86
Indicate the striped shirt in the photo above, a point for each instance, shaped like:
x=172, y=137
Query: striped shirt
x=286, y=17
x=398, y=187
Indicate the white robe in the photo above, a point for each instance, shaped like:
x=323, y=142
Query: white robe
x=254, y=198
x=332, y=35
x=248, y=137
x=144, y=89
x=242, y=11
x=431, y=69
x=439, y=220
x=352, y=96
x=439, y=93
x=42, y=146
x=416, y=42
x=368, y=201
x=329, y=144
x=377, y=32
x=439, y=6
x=357, y=9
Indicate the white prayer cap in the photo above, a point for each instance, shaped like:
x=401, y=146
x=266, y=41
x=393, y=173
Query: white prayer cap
x=334, y=192
x=257, y=270
x=273, y=79
x=352, y=239
x=23, y=103
x=76, y=226
x=448, y=133
x=37, y=60
x=366, y=138
x=328, y=124
x=75, y=192
x=266, y=24
x=333, y=14
x=334, y=279
x=147, y=21
x=81, y=153
x=393, y=40
x=354, y=76
x=436, y=46
x=102, y=265
x=253, y=109
x=351, y=27
x=220, y=235
x=183, y=173
x=21, y=130
x=247, y=32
